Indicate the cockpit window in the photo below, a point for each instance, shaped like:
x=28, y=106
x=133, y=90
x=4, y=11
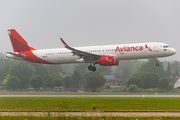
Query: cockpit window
x=166, y=46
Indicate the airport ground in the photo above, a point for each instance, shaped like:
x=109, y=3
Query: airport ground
x=73, y=106
x=85, y=118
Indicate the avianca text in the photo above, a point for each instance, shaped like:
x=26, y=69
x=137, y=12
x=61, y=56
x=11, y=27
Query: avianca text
x=133, y=48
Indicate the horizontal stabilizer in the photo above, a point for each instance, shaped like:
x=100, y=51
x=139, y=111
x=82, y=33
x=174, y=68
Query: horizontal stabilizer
x=17, y=55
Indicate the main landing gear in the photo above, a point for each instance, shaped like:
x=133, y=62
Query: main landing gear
x=157, y=64
x=92, y=68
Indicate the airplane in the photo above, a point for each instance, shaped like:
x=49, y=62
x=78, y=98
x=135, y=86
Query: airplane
x=106, y=55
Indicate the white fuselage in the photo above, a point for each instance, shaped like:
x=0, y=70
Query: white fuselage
x=120, y=51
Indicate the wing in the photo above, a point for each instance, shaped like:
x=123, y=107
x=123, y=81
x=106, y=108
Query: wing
x=85, y=55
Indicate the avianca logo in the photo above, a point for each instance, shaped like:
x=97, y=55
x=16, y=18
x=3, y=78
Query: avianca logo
x=109, y=61
x=148, y=48
x=133, y=48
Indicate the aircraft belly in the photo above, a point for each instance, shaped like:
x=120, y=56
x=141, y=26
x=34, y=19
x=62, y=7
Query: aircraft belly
x=59, y=59
x=135, y=55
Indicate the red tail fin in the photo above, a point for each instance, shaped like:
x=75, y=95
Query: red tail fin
x=18, y=43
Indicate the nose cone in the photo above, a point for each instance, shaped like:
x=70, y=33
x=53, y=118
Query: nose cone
x=173, y=51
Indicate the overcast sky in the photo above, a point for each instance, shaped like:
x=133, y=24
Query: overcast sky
x=91, y=22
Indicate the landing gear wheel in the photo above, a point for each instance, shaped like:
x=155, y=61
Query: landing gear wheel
x=157, y=64
x=93, y=69
x=90, y=67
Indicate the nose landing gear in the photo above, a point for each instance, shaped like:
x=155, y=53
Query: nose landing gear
x=157, y=64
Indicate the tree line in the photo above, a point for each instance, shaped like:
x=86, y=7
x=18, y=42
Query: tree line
x=144, y=74
x=22, y=75
x=150, y=76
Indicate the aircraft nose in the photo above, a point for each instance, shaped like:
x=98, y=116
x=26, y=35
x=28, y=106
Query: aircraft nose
x=173, y=51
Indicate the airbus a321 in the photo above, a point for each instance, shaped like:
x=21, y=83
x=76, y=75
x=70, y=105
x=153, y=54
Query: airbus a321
x=106, y=55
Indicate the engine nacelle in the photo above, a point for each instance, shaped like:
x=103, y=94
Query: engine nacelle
x=107, y=61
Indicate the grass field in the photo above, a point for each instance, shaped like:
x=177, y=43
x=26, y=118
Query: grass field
x=85, y=118
x=90, y=93
x=81, y=104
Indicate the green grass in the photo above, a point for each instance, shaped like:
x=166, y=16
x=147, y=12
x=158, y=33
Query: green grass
x=85, y=118
x=91, y=93
x=111, y=104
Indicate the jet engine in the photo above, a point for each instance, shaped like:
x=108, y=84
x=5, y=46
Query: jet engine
x=107, y=61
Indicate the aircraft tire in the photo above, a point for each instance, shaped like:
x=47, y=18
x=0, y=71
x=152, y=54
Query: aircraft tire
x=157, y=64
x=93, y=69
x=90, y=67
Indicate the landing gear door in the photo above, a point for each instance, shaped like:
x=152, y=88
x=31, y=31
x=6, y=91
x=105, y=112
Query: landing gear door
x=156, y=47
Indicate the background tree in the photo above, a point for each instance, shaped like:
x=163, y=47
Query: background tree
x=94, y=81
x=150, y=66
x=170, y=87
x=84, y=78
x=177, y=72
x=168, y=72
x=164, y=83
x=105, y=70
x=48, y=79
x=3, y=60
x=149, y=79
x=82, y=68
x=125, y=73
x=40, y=69
x=22, y=70
x=134, y=81
x=4, y=69
x=131, y=65
x=133, y=88
x=107, y=86
x=13, y=82
x=76, y=78
x=53, y=68
x=67, y=81
x=36, y=81
x=117, y=75
x=175, y=65
x=57, y=81
x=4, y=83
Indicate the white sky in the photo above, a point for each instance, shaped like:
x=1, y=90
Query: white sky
x=91, y=22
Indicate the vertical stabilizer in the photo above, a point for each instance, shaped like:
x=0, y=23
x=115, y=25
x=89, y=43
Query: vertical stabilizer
x=18, y=43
